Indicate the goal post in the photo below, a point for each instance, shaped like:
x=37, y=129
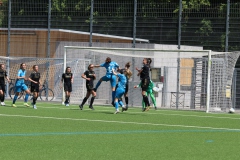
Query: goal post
x=124, y=54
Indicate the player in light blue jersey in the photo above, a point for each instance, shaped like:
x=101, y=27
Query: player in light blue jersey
x=110, y=66
x=20, y=85
x=120, y=89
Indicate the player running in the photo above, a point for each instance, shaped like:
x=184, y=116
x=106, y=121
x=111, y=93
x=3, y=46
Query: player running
x=3, y=75
x=34, y=79
x=67, y=79
x=21, y=86
x=110, y=66
x=145, y=79
x=149, y=91
x=90, y=76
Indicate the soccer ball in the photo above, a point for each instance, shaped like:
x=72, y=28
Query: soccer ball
x=231, y=110
x=156, y=89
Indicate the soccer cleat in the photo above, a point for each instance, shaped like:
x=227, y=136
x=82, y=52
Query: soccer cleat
x=117, y=111
x=14, y=105
x=2, y=104
x=81, y=107
x=67, y=105
x=155, y=108
x=147, y=108
x=26, y=104
x=143, y=109
x=91, y=107
x=34, y=107
x=124, y=109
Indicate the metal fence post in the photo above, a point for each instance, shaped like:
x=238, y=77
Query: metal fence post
x=91, y=23
x=227, y=25
x=134, y=40
x=48, y=44
x=8, y=41
x=179, y=47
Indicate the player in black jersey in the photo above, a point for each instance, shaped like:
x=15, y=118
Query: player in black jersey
x=67, y=79
x=127, y=68
x=3, y=75
x=90, y=76
x=145, y=80
x=34, y=79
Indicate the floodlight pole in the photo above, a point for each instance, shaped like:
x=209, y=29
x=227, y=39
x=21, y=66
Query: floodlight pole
x=179, y=47
x=64, y=66
x=227, y=26
x=91, y=24
x=8, y=40
x=208, y=80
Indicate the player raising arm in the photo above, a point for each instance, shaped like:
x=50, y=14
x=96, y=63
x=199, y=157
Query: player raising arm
x=34, y=79
x=149, y=91
x=145, y=79
x=110, y=66
x=3, y=75
x=90, y=76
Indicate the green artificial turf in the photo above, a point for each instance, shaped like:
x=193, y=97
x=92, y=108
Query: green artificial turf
x=54, y=131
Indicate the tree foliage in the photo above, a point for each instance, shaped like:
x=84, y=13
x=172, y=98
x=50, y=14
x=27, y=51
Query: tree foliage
x=203, y=21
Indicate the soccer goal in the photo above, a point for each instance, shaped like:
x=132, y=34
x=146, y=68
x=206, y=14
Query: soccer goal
x=190, y=79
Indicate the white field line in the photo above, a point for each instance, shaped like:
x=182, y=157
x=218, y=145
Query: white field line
x=120, y=122
x=164, y=114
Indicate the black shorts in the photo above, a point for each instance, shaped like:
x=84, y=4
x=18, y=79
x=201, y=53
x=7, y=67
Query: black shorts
x=68, y=87
x=89, y=87
x=145, y=84
x=35, y=88
x=2, y=87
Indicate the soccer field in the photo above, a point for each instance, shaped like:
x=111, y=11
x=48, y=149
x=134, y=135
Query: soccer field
x=57, y=132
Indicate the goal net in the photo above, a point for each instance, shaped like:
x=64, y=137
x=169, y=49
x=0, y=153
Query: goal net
x=51, y=70
x=187, y=79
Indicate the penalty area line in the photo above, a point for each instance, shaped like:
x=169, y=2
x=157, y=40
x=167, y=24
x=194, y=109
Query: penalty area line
x=121, y=122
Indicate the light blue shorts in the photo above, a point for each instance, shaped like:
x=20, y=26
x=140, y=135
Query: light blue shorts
x=111, y=78
x=119, y=93
x=20, y=88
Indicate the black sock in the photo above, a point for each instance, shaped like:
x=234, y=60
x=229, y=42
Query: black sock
x=1, y=98
x=67, y=99
x=34, y=100
x=92, y=100
x=84, y=101
x=146, y=101
x=126, y=100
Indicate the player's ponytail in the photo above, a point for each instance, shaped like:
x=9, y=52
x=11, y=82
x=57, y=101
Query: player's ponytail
x=149, y=61
x=128, y=65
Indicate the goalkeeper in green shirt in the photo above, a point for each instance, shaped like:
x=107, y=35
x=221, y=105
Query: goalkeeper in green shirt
x=149, y=92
